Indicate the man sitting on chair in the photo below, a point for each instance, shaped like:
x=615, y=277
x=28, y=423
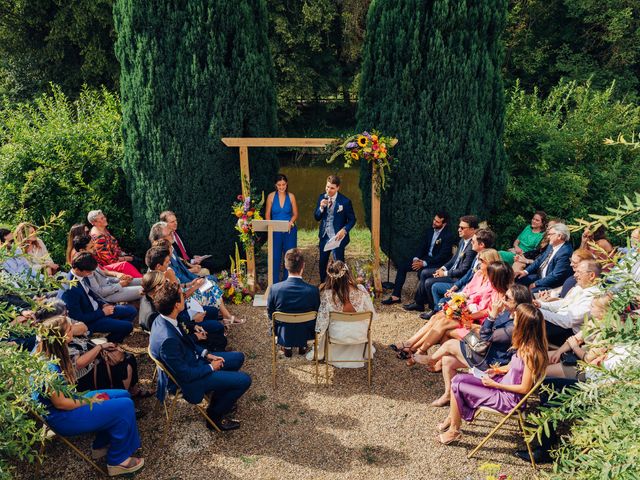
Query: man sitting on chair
x=195, y=261
x=294, y=295
x=195, y=369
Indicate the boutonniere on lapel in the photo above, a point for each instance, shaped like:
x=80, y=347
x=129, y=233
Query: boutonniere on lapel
x=438, y=241
x=340, y=208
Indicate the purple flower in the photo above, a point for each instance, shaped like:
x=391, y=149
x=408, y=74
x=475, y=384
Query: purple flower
x=367, y=134
x=352, y=145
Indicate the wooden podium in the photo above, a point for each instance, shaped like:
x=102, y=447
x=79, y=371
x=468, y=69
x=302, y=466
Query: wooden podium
x=268, y=226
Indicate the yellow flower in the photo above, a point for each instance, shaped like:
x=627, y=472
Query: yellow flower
x=362, y=140
x=374, y=138
x=354, y=155
x=231, y=291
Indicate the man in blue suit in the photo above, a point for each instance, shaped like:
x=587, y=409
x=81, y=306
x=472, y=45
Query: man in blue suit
x=553, y=266
x=196, y=370
x=335, y=213
x=85, y=306
x=294, y=295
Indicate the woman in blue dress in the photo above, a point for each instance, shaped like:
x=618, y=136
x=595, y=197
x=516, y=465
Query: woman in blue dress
x=281, y=205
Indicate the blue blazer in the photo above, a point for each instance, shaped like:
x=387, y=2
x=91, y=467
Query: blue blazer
x=79, y=305
x=558, y=270
x=182, y=357
x=342, y=218
x=441, y=250
x=293, y=295
x=499, y=333
x=466, y=259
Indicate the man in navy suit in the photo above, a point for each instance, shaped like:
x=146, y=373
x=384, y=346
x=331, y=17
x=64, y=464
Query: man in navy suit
x=85, y=306
x=553, y=266
x=435, y=249
x=294, y=295
x=196, y=370
x=451, y=271
x=335, y=213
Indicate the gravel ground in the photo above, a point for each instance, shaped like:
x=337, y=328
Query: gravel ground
x=340, y=431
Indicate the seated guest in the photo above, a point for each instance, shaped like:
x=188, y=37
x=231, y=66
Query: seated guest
x=108, y=253
x=294, y=295
x=435, y=249
x=560, y=292
x=340, y=293
x=529, y=238
x=197, y=371
x=489, y=283
x=564, y=317
x=451, y=271
x=35, y=251
x=552, y=268
x=15, y=264
x=481, y=240
x=104, y=283
x=502, y=387
x=195, y=261
x=109, y=413
x=598, y=244
x=496, y=330
x=522, y=260
x=84, y=305
x=91, y=370
x=77, y=230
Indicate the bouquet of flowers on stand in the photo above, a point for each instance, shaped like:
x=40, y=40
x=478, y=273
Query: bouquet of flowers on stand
x=247, y=209
x=457, y=309
x=362, y=273
x=234, y=283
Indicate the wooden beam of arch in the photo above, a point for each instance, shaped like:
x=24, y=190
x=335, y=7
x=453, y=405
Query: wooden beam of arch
x=278, y=142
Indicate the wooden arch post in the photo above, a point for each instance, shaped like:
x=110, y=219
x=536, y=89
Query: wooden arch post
x=244, y=143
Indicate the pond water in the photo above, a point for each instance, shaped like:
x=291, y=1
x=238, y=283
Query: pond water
x=308, y=182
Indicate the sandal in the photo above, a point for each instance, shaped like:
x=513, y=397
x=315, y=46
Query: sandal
x=233, y=321
x=400, y=348
x=133, y=465
x=449, y=437
x=444, y=426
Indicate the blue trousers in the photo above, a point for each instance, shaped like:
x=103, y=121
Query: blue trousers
x=282, y=242
x=113, y=420
x=118, y=325
x=227, y=384
x=438, y=290
x=338, y=254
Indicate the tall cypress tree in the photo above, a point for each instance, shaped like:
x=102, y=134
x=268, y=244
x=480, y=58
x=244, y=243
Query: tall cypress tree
x=431, y=77
x=192, y=72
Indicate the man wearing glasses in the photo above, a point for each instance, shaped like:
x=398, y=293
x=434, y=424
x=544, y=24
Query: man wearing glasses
x=451, y=271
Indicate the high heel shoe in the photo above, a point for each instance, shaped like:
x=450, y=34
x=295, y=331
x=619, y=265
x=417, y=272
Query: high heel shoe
x=449, y=437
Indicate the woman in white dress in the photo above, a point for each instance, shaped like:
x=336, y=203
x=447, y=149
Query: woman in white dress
x=340, y=293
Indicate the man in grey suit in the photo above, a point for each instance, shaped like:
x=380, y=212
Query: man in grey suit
x=451, y=271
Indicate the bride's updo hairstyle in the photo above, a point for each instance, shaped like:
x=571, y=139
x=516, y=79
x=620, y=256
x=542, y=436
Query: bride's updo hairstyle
x=339, y=281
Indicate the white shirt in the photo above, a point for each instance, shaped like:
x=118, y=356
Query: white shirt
x=85, y=287
x=569, y=312
x=457, y=262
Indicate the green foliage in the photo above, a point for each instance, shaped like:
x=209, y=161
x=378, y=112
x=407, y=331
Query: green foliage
x=67, y=43
x=604, y=437
x=575, y=39
x=193, y=72
x=558, y=160
x=57, y=155
x=431, y=78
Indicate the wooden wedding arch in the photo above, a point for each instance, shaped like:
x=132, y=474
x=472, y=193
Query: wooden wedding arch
x=244, y=143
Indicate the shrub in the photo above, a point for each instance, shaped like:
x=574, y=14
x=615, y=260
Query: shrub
x=57, y=155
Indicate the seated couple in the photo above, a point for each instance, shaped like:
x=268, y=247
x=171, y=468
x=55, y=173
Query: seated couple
x=339, y=293
x=197, y=371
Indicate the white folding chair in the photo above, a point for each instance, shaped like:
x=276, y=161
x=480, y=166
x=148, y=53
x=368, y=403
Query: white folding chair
x=366, y=352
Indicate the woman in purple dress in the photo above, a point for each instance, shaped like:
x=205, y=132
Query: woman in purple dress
x=501, y=388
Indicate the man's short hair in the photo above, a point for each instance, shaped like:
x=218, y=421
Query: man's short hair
x=84, y=262
x=156, y=256
x=334, y=179
x=92, y=215
x=163, y=242
x=165, y=297
x=81, y=242
x=51, y=308
x=486, y=237
x=157, y=231
x=561, y=229
x=472, y=220
x=591, y=265
x=294, y=261
x=444, y=215
x=164, y=216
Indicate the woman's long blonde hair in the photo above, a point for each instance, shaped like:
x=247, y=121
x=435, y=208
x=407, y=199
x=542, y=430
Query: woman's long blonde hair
x=530, y=339
x=53, y=344
x=22, y=233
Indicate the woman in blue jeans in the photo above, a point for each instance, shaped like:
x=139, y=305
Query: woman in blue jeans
x=281, y=205
x=109, y=413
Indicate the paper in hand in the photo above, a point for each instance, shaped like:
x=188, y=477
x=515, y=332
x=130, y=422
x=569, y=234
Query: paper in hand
x=478, y=373
x=332, y=243
x=207, y=285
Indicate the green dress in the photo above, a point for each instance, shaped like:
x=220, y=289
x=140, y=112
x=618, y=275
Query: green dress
x=529, y=240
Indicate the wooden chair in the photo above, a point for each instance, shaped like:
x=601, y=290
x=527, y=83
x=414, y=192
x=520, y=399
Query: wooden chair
x=48, y=433
x=291, y=318
x=349, y=317
x=519, y=411
x=169, y=412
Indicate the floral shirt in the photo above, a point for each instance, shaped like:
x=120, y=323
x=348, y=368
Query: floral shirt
x=107, y=249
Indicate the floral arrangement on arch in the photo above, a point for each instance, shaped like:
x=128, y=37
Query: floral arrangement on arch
x=234, y=284
x=372, y=147
x=246, y=209
x=456, y=307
